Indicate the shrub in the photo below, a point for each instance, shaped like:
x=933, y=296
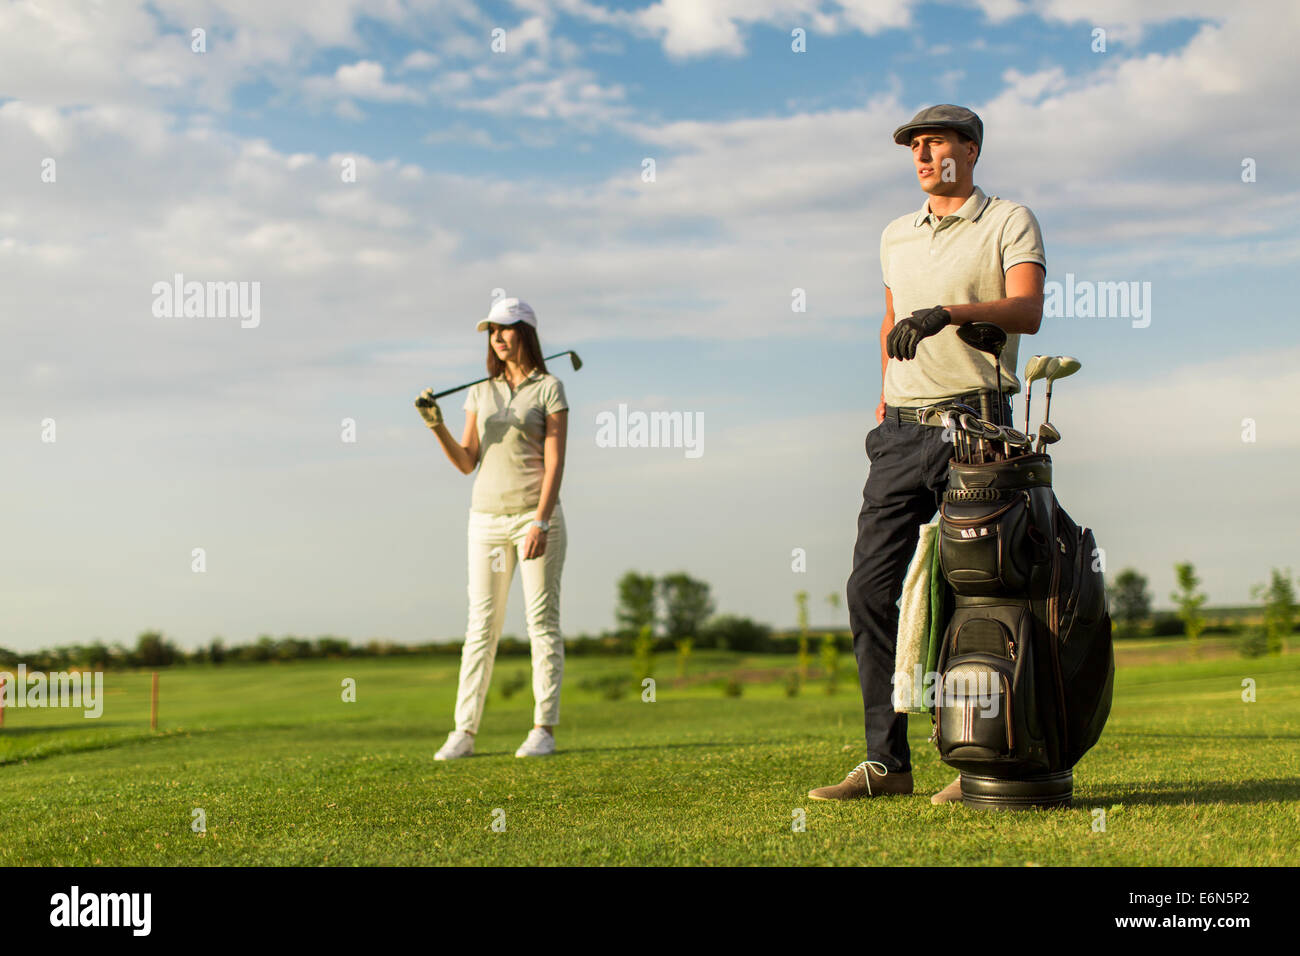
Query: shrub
x=1166, y=624
x=513, y=684
x=735, y=633
x=611, y=686
x=1254, y=643
x=734, y=687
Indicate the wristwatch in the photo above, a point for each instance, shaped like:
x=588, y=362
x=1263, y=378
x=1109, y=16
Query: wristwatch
x=544, y=525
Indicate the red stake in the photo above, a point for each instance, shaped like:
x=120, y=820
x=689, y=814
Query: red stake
x=153, y=710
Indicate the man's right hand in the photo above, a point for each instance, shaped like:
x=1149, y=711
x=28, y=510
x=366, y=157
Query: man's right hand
x=880, y=412
x=428, y=408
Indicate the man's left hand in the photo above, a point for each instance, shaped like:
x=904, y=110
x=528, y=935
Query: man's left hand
x=906, y=335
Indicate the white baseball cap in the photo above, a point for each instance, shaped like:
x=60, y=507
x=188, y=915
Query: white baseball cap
x=508, y=312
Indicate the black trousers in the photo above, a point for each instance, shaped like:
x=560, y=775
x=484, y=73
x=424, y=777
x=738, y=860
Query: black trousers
x=905, y=484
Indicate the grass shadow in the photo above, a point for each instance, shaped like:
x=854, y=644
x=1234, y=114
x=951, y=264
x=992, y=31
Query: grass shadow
x=55, y=728
x=1153, y=793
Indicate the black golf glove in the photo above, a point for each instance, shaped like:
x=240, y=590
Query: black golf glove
x=906, y=335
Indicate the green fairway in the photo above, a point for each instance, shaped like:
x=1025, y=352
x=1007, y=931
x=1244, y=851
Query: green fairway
x=287, y=773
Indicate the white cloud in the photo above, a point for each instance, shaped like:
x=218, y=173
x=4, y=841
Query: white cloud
x=572, y=95
x=362, y=80
x=419, y=61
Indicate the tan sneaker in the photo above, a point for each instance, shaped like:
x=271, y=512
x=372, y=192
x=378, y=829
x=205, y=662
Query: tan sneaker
x=867, y=779
x=949, y=794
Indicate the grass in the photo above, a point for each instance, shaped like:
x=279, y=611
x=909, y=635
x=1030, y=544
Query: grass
x=287, y=773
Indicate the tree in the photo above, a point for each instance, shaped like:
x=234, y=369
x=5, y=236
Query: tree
x=1279, y=608
x=685, y=647
x=1189, y=601
x=687, y=604
x=152, y=650
x=1130, y=602
x=831, y=649
x=801, y=602
x=831, y=661
x=636, y=602
x=644, y=653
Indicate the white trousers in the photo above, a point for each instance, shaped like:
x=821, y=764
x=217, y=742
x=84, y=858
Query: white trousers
x=496, y=545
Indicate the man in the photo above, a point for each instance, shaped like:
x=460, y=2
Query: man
x=965, y=257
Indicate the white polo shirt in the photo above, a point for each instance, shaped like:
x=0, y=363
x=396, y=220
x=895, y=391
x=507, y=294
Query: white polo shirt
x=954, y=260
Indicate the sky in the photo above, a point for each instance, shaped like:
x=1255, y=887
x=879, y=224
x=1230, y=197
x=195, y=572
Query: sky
x=500, y=149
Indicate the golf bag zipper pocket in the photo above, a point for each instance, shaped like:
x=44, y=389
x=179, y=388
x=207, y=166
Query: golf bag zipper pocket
x=973, y=715
x=985, y=549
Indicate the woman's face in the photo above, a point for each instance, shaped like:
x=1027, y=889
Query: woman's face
x=505, y=343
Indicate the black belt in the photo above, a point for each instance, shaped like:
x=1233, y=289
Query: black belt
x=909, y=415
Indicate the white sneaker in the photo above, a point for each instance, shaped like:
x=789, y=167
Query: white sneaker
x=459, y=744
x=538, y=743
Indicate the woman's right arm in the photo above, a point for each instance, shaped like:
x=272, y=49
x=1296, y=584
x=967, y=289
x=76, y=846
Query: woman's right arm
x=463, y=454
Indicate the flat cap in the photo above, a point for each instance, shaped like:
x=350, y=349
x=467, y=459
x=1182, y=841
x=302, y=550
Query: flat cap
x=947, y=116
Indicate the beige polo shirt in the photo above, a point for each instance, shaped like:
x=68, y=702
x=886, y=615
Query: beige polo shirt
x=961, y=258
x=512, y=436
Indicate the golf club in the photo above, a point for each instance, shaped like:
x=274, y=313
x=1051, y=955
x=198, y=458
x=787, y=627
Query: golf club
x=962, y=422
x=946, y=418
x=991, y=339
x=1065, y=366
x=1015, y=438
x=1035, y=369
x=993, y=435
x=970, y=425
x=573, y=357
x=1047, y=435
x=946, y=415
x=1010, y=438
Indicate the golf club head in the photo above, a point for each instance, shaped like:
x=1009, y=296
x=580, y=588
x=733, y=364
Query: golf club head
x=577, y=362
x=1013, y=436
x=970, y=424
x=933, y=413
x=984, y=336
x=1066, y=365
x=1035, y=368
x=1047, y=435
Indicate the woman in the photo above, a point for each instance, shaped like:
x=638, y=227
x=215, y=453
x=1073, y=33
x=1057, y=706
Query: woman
x=515, y=429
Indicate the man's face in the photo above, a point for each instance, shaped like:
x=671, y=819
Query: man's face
x=935, y=151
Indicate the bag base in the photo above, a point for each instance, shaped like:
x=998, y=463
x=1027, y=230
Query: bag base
x=1045, y=791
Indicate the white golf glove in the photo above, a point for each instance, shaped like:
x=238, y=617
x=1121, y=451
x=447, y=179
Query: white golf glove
x=428, y=408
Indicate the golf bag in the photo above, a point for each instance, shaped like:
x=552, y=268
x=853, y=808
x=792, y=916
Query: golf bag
x=1026, y=667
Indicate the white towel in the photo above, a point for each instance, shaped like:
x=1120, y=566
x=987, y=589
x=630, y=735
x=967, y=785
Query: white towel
x=914, y=626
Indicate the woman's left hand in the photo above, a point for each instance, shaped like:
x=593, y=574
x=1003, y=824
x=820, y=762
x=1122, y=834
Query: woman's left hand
x=535, y=543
